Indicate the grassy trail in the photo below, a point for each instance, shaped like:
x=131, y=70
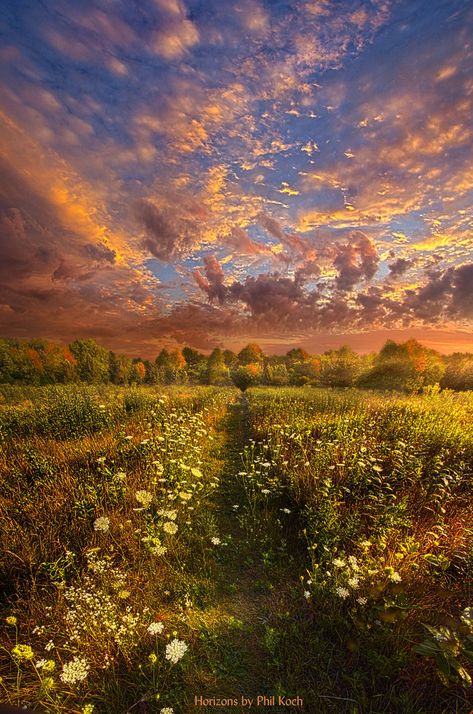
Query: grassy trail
x=250, y=586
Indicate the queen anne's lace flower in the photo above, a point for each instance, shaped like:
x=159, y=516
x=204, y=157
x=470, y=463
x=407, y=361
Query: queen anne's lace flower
x=102, y=524
x=155, y=628
x=170, y=527
x=342, y=592
x=75, y=671
x=144, y=497
x=175, y=650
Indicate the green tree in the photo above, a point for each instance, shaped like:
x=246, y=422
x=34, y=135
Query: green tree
x=217, y=371
x=92, y=361
x=196, y=364
x=459, y=371
x=340, y=368
x=306, y=372
x=119, y=368
x=276, y=374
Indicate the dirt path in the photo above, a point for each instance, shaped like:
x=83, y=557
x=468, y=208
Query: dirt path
x=252, y=589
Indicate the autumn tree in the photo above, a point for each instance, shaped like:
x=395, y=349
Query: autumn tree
x=406, y=366
x=246, y=376
x=251, y=354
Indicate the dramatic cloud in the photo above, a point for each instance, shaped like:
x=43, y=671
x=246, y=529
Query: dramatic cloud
x=167, y=236
x=205, y=171
x=355, y=260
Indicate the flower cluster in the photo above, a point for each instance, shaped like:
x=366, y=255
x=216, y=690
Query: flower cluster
x=75, y=671
x=175, y=650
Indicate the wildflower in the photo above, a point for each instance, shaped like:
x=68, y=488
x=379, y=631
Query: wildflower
x=170, y=527
x=167, y=710
x=236, y=506
x=155, y=628
x=306, y=594
x=88, y=709
x=102, y=524
x=152, y=658
x=158, y=550
x=184, y=495
x=353, y=582
x=124, y=594
x=144, y=497
x=47, y=684
x=121, y=476
x=285, y=510
x=338, y=563
x=75, y=671
x=395, y=577
x=342, y=592
x=353, y=562
x=49, y=646
x=11, y=620
x=362, y=600
x=175, y=650
x=101, y=459
x=22, y=652
x=365, y=543
x=265, y=491
x=171, y=515
x=216, y=541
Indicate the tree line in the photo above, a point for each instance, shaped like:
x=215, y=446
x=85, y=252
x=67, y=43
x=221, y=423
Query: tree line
x=406, y=366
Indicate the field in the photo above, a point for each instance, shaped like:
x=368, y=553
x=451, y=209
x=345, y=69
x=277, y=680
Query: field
x=176, y=549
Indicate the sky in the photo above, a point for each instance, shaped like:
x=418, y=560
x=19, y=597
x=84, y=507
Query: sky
x=214, y=172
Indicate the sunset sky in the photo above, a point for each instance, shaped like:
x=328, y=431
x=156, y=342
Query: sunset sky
x=210, y=172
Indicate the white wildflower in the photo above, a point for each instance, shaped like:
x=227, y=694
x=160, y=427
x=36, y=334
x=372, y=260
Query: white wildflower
x=353, y=582
x=395, y=577
x=155, y=628
x=75, y=671
x=338, y=563
x=170, y=527
x=215, y=541
x=175, y=650
x=362, y=600
x=144, y=497
x=342, y=592
x=167, y=710
x=102, y=524
x=306, y=594
x=353, y=562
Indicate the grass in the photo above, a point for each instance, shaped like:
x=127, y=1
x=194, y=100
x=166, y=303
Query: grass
x=159, y=545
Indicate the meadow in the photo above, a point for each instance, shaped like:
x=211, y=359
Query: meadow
x=174, y=549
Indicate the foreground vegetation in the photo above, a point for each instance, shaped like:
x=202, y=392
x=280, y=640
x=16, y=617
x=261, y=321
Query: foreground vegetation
x=162, y=544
